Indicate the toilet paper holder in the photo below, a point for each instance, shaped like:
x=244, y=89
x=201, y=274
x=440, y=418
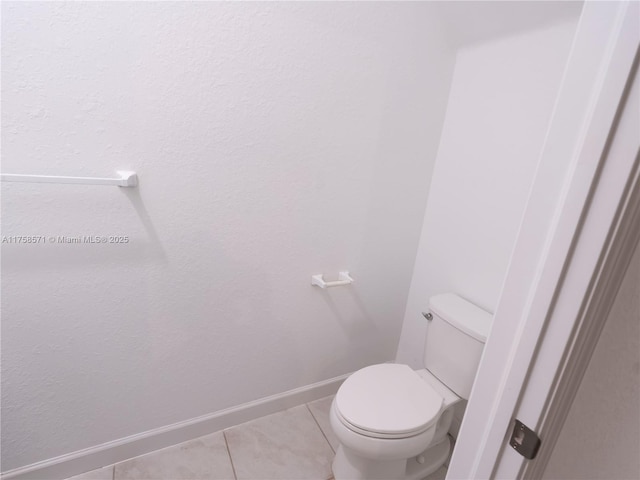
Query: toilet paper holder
x=343, y=279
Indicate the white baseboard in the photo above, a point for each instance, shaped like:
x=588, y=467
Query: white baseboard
x=92, y=458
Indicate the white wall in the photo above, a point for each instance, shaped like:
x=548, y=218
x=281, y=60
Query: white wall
x=500, y=103
x=471, y=22
x=601, y=434
x=273, y=141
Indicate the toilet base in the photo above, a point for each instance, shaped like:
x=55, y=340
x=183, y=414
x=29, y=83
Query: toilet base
x=349, y=466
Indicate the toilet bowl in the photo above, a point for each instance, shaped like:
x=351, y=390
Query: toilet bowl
x=408, y=420
x=392, y=421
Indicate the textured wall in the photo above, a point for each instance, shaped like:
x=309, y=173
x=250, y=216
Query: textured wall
x=606, y=445
x=273, y=141
x=501, y=100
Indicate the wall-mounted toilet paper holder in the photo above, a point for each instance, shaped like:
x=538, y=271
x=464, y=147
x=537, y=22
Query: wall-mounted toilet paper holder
x=343, y=279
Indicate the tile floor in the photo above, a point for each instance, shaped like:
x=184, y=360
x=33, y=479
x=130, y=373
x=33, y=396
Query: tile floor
x=295, y=444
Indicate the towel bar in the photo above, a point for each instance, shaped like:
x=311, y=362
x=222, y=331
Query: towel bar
x=126, y=179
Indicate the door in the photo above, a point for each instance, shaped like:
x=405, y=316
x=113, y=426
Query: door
x=577, y=232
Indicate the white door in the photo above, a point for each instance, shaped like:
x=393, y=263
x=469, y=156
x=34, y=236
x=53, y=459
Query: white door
x=579, y=229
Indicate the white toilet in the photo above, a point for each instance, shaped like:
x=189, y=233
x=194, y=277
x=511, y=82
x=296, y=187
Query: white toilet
x=392, y=421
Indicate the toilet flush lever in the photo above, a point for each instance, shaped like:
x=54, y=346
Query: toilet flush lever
x=427, y=315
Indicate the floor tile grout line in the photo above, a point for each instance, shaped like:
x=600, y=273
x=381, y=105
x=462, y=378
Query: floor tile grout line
x=318, y=424
x=323, y=434
x=233, y=468
x=228, y=448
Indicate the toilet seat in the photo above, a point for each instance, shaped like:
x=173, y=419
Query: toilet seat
x=387, y=401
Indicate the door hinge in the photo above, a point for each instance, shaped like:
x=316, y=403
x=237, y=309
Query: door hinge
x=524, y=440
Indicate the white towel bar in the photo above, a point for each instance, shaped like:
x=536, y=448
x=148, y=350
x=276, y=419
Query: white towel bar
x=126, y=179
x=343, y=279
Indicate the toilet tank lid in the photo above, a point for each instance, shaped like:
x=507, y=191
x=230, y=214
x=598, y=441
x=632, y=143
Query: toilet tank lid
x=462, y=314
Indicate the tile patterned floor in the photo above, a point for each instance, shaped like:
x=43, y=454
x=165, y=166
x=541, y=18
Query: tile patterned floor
x=295, y=444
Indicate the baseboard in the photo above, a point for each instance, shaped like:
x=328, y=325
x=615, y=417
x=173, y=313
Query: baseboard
x=92, y=458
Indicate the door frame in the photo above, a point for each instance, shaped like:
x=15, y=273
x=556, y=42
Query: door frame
x=605, y=255
x=576, y=231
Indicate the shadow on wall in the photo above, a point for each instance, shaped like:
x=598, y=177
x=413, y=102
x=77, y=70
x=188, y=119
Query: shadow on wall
x=364, y=336
x=358, y=324
x=74, y=244
x=155, y=250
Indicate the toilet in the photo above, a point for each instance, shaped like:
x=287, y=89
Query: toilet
x=392, y=421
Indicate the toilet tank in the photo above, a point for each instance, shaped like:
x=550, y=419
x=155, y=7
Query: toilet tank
x=455, y=338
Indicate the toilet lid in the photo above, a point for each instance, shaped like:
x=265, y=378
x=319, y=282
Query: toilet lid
x=388, y=399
